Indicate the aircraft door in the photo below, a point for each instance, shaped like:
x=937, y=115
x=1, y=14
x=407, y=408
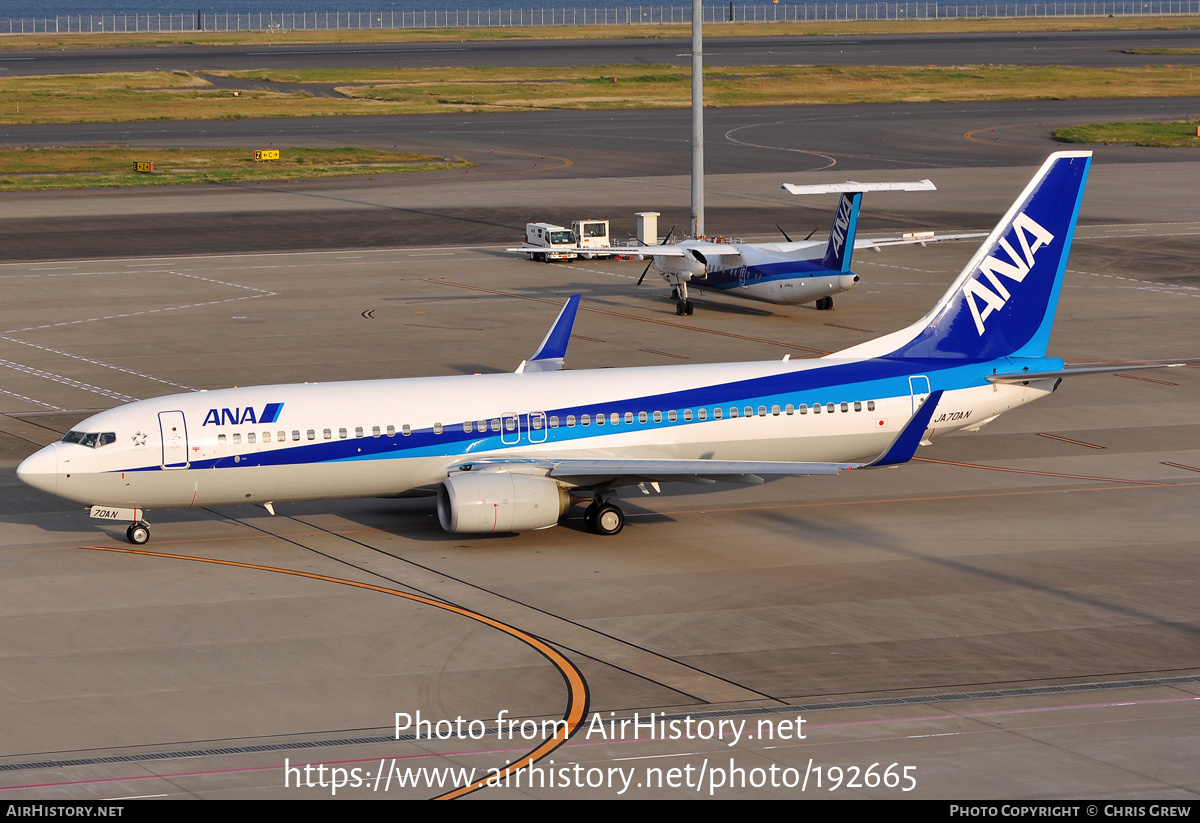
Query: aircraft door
x=536, y=427
x=510, y=429
x=174, y=439
x=918, y=384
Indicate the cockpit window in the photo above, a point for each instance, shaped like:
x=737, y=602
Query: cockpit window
x=93, y=440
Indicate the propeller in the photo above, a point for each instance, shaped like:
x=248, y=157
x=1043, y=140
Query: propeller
x=784, y=233
x=811, y=233
x=651, y=263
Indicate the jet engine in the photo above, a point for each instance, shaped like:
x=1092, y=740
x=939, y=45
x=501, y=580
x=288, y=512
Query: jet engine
x=487, y=502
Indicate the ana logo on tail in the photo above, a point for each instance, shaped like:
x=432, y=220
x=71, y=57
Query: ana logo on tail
x=1031, y=237
x=840, y=223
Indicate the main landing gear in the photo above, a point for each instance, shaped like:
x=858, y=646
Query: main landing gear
x=604, y=518
x=824, y=304
x=138, y=533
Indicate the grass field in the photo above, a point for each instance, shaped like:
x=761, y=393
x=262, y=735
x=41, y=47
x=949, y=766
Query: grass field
x=93, y=166
x=645, y=31
x=1180, y=134
x=183, y=96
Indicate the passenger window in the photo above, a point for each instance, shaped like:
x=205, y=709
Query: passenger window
x=406, y=430
x=342, y=434
x=870, y=405
x=829, y=408
x=803, y=409
x=857, y=405
x=220, y=439
x=510, y=424
x=495, y=424
x=733, y=412
x=687, y=414
x=717, y=413
x=702, y=414
x=643, y=417
x=327, y=434
x=748, y=412
x=312, y=434
x=628, y=418
x=845, y=407
x=391, y=431
x=554, y=421
x=237, y=439
x=790, y=409
x=282, y=436
x=482, y=426
x=535, y=422
x=467, y=427
x=585, y=420
x=658, y=417
x=570, y=421
x=762, y=411
x=616, y=418
x=671, y=416
x=358, y=431
x=266, y=437
x=250, y=437
x=816, y=408
x=375, y=431
x=295, y=434
x=600, y=420
x=437, y=428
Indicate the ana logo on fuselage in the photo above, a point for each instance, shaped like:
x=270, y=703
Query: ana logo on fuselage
x=1031, y=237
x=238, y=417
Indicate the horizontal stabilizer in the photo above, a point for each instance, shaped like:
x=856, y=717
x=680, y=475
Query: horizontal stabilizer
x=1025, y=376
x=851, y=187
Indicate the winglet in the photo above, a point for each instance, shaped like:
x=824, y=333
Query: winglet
x=905, y=446
x=550, y=355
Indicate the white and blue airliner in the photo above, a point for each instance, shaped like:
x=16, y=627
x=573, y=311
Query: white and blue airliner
x=511, y=452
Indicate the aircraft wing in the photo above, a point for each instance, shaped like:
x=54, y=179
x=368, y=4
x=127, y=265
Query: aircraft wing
x=602, y=472
x=590, y=473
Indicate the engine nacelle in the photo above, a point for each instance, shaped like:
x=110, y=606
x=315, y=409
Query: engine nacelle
x=487, y=502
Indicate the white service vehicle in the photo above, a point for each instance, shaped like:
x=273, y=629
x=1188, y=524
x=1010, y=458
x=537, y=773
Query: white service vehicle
x=546, y=242
x=592, y=234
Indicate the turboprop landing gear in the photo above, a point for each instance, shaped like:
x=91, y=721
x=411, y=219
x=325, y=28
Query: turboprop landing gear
x=138, y=533
x=825, y=304
x=683, y=306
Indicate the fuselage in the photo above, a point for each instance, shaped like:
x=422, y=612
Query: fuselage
x=391, y=437
x=784, y=273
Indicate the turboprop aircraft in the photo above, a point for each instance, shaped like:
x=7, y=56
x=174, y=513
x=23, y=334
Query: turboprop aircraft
x=511, y=452
x=791, y=273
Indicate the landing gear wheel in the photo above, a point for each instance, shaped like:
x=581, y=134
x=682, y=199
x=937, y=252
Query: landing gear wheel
x=589, y=514
x=138, y=534
x=606, y=519
x=825, y=304
x=687, y=307
x=675, y=294
x=680, y=309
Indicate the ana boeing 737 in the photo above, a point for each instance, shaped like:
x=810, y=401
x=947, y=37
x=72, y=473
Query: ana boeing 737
x=511, y=452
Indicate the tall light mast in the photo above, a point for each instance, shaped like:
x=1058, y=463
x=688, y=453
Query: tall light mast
x=697, y=119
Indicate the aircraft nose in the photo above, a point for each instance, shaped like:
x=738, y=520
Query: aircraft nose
x=40, y=469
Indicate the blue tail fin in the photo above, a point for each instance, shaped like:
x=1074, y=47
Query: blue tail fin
x=841, y=234
x=1003, y=302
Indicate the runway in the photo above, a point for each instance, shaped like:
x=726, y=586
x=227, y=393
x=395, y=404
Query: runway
x=1022, y=598
x=1078, y=48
